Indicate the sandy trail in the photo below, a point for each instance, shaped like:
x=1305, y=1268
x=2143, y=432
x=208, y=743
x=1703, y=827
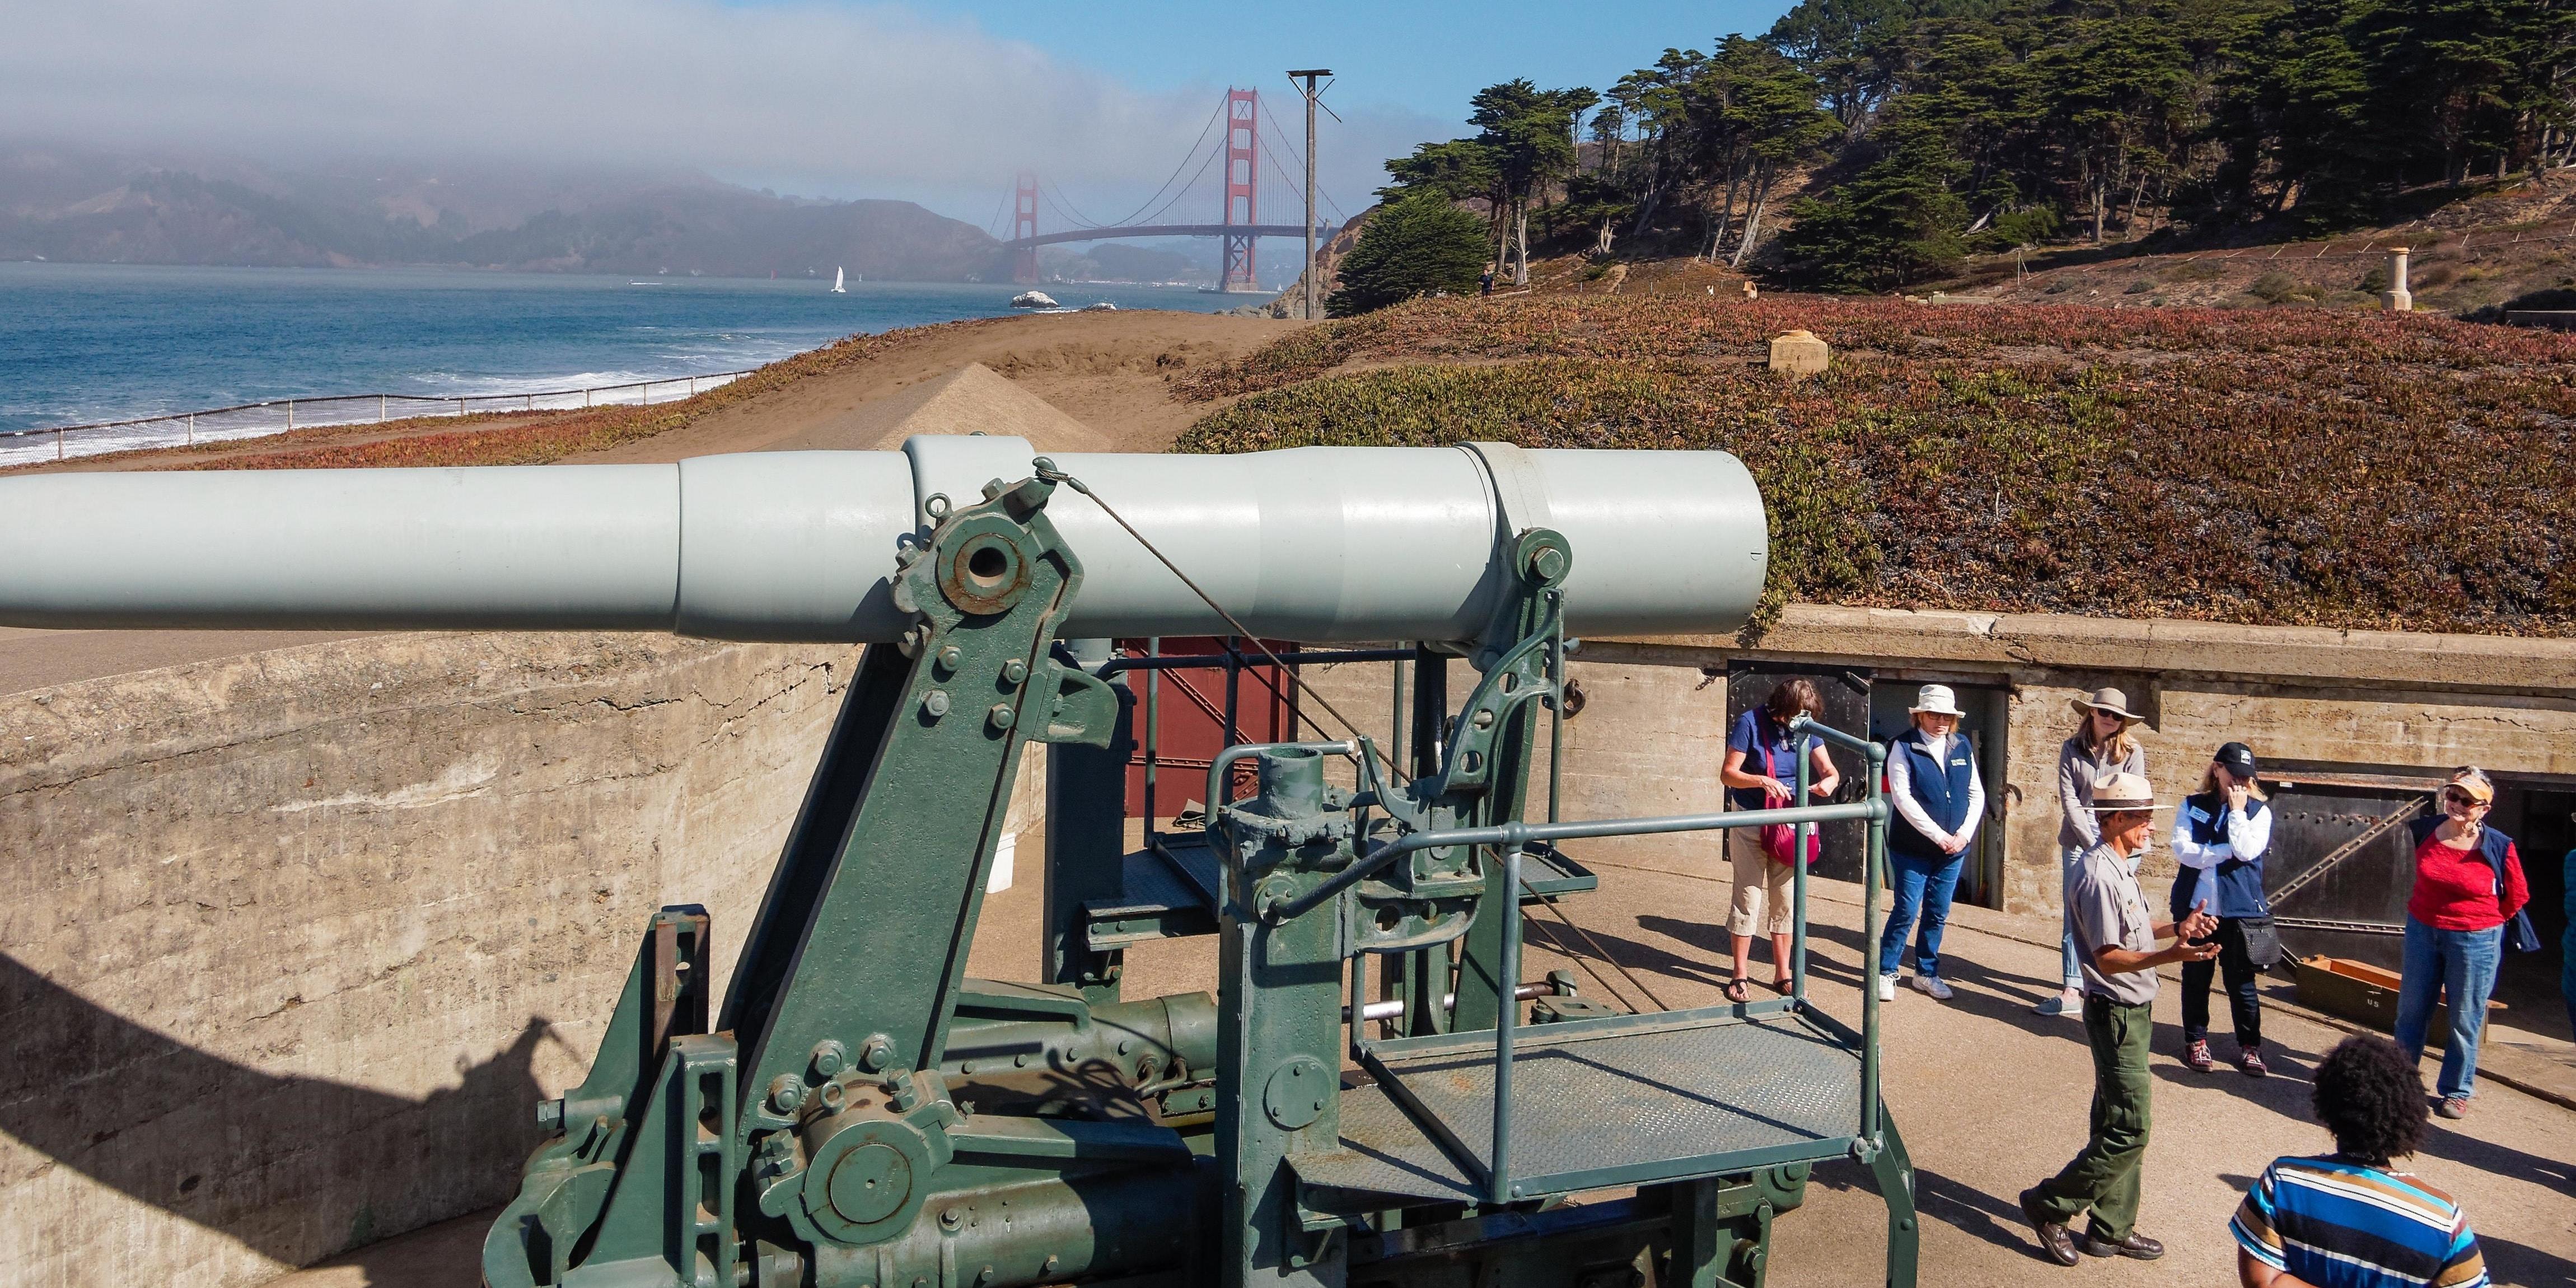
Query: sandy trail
x=1111, y=371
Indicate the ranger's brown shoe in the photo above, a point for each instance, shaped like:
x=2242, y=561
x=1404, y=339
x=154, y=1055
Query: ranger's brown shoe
x=2136, y=1245
x=2053, y=1237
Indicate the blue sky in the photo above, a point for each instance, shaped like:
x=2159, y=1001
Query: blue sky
x=1423, y=58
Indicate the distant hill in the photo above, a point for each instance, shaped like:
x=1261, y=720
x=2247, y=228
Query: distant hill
x=78, y=207
x=1110, y=261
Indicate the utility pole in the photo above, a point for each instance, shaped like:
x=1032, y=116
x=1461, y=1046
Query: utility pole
x=1309, y=76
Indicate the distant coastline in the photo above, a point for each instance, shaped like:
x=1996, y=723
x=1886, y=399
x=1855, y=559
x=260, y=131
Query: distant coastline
x=99, y=342
x=64, y=206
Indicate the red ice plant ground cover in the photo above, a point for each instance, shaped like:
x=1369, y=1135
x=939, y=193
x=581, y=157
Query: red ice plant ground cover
x=2283, y=466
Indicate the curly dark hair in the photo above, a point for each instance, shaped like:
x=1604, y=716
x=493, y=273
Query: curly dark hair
x=2371, y=1097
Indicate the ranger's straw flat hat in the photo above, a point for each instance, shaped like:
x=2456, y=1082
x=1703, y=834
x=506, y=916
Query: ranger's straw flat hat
x=2111, y=700
x=2121, y=793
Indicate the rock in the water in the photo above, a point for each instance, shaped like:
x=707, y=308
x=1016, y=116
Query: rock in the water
x=1033, y=300
x=1102, y=307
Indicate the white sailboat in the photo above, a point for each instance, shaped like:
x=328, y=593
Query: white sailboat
x=837, y=288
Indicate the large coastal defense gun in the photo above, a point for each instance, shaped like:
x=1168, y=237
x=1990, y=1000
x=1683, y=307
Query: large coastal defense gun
x=857, y=1113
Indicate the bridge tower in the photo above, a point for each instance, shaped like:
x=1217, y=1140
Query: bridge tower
x=1242, y=161
x=1024, y=225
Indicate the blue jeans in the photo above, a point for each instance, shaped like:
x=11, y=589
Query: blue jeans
x=2067, y=857
x=2462, y=964
x=1923, y=886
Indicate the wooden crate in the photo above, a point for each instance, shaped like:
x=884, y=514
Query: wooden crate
x=2364, y=994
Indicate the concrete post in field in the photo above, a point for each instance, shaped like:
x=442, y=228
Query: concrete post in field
x=1314, y=295
x=2398, y=299
x=1799, y=353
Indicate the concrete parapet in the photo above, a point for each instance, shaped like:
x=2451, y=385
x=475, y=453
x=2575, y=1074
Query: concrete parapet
x=2490, y=663
x=296, y=940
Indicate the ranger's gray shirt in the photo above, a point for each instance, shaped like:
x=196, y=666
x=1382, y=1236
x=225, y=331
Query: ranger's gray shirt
x=2105, y=910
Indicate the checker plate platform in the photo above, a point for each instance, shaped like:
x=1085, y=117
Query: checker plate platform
x=1604, y=1103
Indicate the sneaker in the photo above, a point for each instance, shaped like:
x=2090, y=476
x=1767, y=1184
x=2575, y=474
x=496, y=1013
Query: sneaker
x=1887, y=988
x=2196, y=1054
x=1931, y=986
x=2068, y=1002
x=2454, y=1107
x=2251, y=1061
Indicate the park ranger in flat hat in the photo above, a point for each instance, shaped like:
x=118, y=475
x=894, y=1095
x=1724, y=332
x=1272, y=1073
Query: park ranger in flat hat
x=2115, y=939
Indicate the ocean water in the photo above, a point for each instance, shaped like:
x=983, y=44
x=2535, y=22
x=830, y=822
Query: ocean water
x=82, y=343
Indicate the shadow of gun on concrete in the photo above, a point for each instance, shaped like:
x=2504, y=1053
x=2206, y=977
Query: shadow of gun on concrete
x=296, y=1168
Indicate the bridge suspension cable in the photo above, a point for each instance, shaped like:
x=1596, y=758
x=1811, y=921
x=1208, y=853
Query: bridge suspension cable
x=1186, y=189
x=1136, y=216
x=1064, y=206
x=1283, y=141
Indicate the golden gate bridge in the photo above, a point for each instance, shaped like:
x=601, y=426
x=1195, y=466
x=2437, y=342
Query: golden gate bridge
x=1239, y=189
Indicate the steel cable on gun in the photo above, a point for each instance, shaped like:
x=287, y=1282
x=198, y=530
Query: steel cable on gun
x=1053, y=475
x=1350, y=727
x=1548, y=901
x=1585, y=964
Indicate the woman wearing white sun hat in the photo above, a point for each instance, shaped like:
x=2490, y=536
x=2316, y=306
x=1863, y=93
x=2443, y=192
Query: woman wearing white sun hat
x=2100, y=748
x=1932, y=779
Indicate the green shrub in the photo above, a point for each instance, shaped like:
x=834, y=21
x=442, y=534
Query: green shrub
x=1417, y=246
x=2281, y=288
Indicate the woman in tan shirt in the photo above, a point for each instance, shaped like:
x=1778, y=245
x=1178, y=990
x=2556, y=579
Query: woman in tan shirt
x=2100, y=748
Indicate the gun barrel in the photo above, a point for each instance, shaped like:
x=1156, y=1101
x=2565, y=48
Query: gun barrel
x=1317, y=543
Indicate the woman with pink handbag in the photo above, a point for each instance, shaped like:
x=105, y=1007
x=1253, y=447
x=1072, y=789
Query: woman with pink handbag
x=1760, y=765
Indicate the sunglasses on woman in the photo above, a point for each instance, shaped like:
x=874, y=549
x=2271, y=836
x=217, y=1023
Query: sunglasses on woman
x=2461, y=799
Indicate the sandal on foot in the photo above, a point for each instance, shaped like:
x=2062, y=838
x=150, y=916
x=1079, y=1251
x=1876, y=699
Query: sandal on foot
x=1736, y=992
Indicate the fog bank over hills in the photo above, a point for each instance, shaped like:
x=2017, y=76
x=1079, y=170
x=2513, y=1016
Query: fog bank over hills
x=69, y=204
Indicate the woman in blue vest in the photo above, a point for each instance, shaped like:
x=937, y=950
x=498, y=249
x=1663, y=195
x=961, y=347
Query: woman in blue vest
x=2218, y=845
x=1932, y=779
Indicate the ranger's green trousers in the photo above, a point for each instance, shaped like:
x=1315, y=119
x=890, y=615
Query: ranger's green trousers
x=2104, y=1178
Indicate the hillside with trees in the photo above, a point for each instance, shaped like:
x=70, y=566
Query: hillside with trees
x=1863, y=145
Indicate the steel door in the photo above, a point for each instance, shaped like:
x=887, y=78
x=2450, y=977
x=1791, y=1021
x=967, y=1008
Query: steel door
x=2342, y=862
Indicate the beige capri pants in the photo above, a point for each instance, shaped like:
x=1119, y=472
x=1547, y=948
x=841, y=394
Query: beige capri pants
x=1758, y=881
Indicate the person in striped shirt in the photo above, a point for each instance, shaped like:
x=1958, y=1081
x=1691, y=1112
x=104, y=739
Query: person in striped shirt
x=2346, y=1219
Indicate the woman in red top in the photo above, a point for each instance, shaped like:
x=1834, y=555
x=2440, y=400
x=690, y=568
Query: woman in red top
x=2468, y=884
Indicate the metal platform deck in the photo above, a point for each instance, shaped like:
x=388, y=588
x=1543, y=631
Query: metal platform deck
x=1626, y=1100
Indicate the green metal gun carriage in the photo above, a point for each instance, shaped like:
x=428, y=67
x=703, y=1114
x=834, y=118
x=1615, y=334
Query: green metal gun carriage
x=854, y=1112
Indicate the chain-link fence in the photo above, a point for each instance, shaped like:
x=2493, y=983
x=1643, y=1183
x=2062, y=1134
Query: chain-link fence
x=277, y=416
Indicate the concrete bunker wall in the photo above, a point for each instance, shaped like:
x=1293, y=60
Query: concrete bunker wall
x=295, y=940
x=1653, y=731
